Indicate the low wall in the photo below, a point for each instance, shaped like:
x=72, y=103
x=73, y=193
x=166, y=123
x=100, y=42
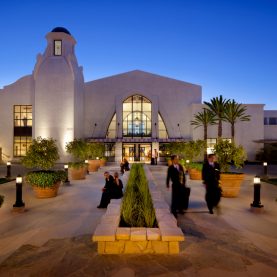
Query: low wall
x=113, y=239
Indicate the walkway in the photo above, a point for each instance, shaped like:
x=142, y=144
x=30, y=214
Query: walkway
x=53, y=237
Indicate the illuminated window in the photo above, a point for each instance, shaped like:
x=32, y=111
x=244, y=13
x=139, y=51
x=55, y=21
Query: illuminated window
x=137, y=117
x=111, y=133
x=57, y=47
x=21, y=145
x=23, y=116
x=23, y=122
x=211, y=142
x=162, y=129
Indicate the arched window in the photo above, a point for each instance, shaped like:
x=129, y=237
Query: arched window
x=162, y=129
x=137, y=117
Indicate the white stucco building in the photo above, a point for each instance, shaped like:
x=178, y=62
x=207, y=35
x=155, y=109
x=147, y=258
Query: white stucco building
x=134, y=113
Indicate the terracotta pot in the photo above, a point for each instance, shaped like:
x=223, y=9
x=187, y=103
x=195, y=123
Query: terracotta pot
x=93, y=165
x=77, y=173
x=230, y=184
x=195, y=174
x=47, y=192
x=102, y=162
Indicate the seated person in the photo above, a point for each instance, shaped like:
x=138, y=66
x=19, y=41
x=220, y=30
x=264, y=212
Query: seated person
x=117, y=193
x=124, y=166
x=108, y=190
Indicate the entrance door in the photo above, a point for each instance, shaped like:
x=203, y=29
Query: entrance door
x=137, y=152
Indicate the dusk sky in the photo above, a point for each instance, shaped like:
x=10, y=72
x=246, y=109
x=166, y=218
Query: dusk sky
x=228, y=47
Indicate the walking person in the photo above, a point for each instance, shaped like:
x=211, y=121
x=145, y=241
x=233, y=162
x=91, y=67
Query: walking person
x=118, y=188
x=107, y=191
x=176, y=174
x=211, y=177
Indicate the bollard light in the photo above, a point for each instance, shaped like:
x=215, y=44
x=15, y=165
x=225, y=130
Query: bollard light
x=66, y=182
x=97, y=158
x=187, y=161
x=8, y=170
x=19, y=205
x=257, y=193
x=86, y=162
x=265, y=169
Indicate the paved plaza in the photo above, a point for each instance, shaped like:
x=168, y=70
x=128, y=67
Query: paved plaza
x=53, y=237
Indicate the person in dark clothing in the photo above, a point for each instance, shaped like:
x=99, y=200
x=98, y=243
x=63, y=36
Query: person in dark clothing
x=117, y=193
x=211, y=177
x=124, y=166
x=108, y=190
x=176, y=174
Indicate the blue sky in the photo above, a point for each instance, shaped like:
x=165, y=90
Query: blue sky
x=228, y=47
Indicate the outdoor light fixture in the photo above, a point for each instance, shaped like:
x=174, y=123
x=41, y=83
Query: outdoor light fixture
x=187, y=161
x=256, y=205
x=97, y=158
x=66, y=182
x=8, y=170
x=86, y=162
x=265, y=169
x=19, y=205
x=19, y=179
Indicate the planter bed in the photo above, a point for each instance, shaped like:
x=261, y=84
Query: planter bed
x=113, y=239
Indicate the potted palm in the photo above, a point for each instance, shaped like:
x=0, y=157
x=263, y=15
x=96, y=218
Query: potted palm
x=42, y=155
x=227, y=153
x=77, y=168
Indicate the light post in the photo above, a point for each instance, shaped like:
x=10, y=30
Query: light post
x=265, y=169
x=19, y=205
x=86, y=162
x=67, y=182
x=256, y=205
x=8, y=170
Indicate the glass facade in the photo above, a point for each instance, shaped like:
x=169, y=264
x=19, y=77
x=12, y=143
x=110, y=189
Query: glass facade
x=137, y=117
x=23, y=122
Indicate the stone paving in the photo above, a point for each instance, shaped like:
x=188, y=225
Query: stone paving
x=53, y=238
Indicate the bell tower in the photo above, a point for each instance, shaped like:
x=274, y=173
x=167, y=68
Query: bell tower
x=59, y=91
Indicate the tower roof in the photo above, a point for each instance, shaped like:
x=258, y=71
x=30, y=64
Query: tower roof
x=60, y=30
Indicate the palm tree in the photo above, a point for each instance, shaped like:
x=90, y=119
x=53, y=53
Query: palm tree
x=204, y=118
x=217, y=107
x=235, y=112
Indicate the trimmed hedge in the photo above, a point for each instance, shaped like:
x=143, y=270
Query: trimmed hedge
x=137, y=208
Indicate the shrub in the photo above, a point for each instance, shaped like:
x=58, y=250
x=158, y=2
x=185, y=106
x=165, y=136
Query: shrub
x=137, y=208
x=78, y=148
x=42, y=154
x=45, y=179
x=227, y=152
x=95, y=149
x=77, y=165
x=197, y=166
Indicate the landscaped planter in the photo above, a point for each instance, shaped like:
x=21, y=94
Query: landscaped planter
x=195, y=174
x=46, y=192
x=77, y=173
x=93, y=165
x=113, y=239
x=230, y=184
